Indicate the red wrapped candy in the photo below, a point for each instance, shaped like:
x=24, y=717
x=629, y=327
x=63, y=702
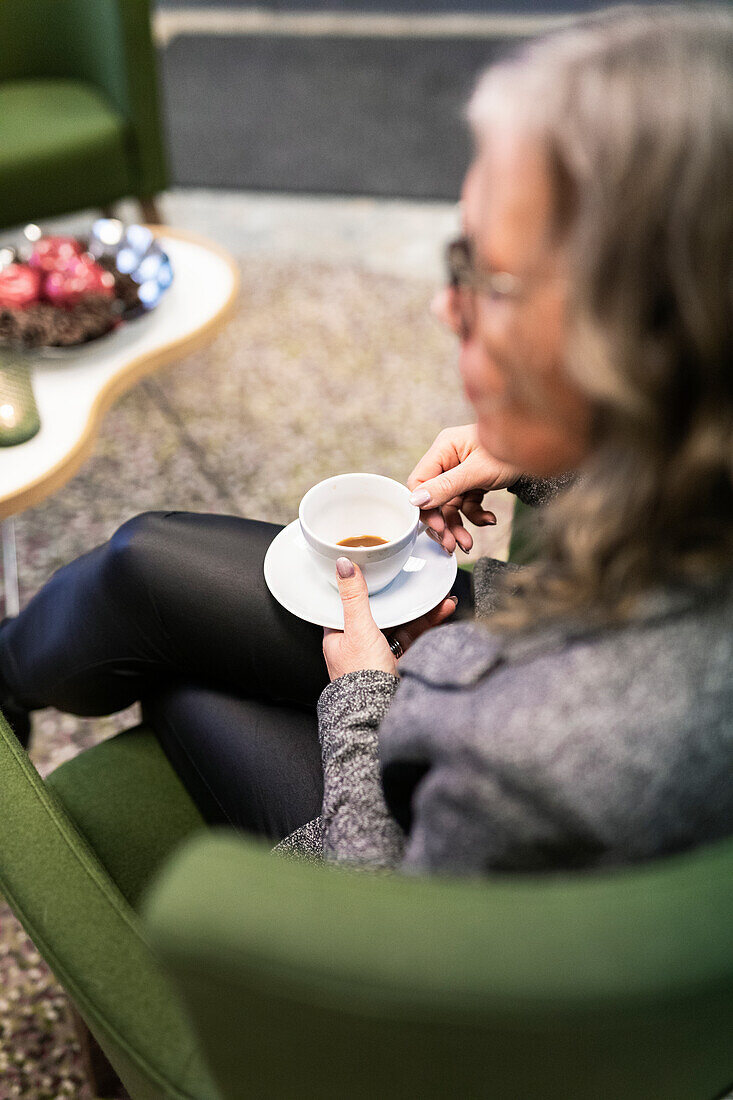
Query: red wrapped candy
x=20, y=286
x=54, y=253
x=79, y=279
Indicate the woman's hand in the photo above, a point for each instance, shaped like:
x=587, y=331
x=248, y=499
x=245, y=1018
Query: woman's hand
x=361, y=644
x=453, y=477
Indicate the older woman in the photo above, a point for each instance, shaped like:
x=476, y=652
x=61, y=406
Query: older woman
x=586, y=717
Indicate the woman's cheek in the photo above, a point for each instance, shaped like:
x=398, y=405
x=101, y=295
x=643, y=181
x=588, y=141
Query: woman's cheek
x=481, y=376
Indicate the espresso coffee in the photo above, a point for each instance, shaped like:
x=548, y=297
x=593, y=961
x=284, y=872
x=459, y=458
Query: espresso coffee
x=363, y=540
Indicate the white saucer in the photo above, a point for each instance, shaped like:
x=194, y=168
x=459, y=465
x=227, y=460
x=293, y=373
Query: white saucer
x=425, y=580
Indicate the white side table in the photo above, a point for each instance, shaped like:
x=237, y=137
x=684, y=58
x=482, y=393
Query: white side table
x=73, y=394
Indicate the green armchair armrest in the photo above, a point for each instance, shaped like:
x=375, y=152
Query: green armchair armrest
x=78, y=917
x=313, y=981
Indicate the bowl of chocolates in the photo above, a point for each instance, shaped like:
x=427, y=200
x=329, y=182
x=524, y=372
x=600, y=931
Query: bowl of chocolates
x=58, y=293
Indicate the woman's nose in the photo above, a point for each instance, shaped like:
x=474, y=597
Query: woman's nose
x=444, y=306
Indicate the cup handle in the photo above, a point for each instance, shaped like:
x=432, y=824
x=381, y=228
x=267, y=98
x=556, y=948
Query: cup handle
x=421, y=527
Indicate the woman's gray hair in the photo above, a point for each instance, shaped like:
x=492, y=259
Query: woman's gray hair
x=633, y=108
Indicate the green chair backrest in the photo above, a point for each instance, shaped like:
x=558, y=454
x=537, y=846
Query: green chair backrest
x=106, y=43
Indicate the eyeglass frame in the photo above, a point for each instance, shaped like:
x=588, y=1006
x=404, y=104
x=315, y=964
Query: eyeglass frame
x=501, y=286
x=461, y=271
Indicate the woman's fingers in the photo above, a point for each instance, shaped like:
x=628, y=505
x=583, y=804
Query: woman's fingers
x=443, y=611
x=457, y=466
x=476, y=474
x=361, y=644
x=473, y=510
x=461, y=537
x=358, y=618
x=447, y=536
x=439, y=490
x=433, y=519
x=449, y=532
x=447, y=522
x=446, y=525
x=436, y=518
x=454, y=523
x=441, y=455
x=410, y=632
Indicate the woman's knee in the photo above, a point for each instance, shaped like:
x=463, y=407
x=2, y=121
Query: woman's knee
x=187, y=561
x=138, y=546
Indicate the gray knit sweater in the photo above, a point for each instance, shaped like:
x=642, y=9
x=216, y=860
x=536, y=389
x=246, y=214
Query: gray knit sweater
x=571, y=747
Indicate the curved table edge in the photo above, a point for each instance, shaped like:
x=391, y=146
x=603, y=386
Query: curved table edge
x=55, y=478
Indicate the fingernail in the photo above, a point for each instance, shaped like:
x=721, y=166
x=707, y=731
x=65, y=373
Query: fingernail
x=455, y=599
x=463, y=548
x=492, y=521
x=344, y=568
x=433, y=535
x=420, y=497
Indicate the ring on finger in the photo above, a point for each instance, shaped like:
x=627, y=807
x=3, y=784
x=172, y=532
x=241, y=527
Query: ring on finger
x=396, y=647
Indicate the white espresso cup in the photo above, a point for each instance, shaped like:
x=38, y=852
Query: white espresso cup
x=350, y=505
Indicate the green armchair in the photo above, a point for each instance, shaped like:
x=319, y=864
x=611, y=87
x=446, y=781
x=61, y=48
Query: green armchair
x=207, y=968
x=79, y=114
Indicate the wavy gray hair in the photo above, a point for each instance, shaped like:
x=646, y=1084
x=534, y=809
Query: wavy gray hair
x=634, y=111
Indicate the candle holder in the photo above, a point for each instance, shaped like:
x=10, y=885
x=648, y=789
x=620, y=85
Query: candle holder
x=19, y=419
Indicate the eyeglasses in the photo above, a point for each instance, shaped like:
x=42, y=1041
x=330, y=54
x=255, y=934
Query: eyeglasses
x=463, y=276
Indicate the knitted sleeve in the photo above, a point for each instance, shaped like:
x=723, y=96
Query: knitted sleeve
x=357, y=827
x=536, y=491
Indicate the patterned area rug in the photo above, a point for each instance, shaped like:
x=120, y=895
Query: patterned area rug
x=323, y=370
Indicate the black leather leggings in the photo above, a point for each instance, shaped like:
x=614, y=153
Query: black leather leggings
x=174, y=611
